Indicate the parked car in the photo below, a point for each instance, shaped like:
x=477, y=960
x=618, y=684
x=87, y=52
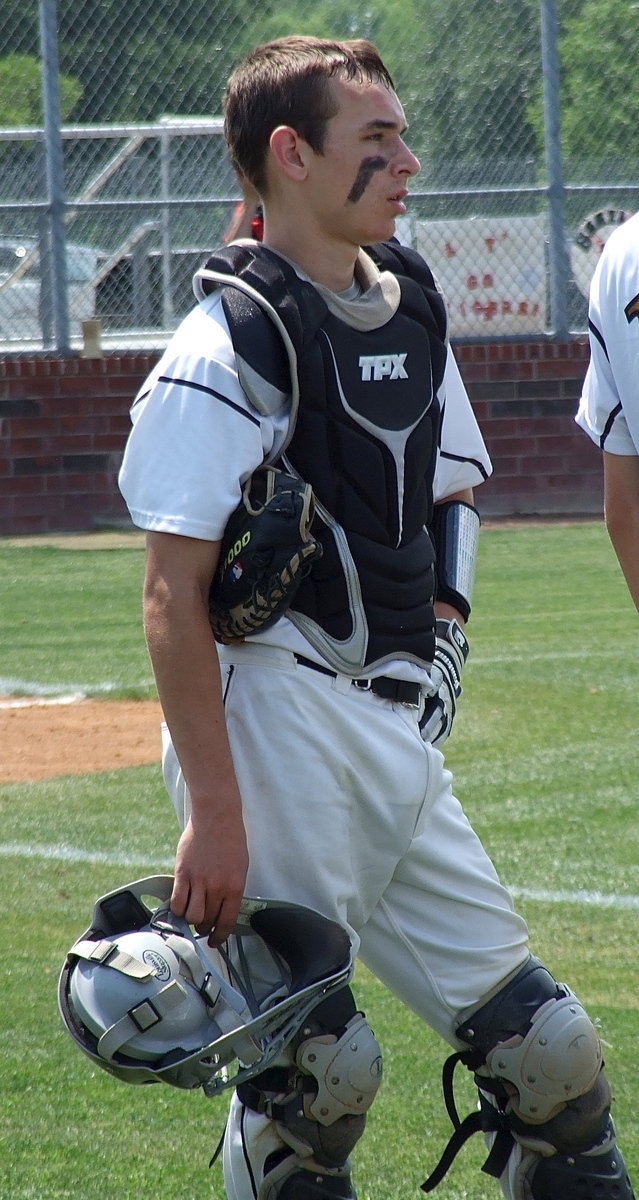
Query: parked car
x=21, y=293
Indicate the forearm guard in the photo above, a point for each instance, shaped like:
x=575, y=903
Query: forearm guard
x=455, y=533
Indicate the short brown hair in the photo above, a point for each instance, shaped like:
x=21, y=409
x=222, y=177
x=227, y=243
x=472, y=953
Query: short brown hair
x=285, y=83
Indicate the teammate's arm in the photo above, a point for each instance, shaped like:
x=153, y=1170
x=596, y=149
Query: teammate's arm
x=621, y=508
x=211, y=860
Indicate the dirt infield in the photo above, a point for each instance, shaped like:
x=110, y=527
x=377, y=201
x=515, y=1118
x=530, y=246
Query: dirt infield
x=39, y=740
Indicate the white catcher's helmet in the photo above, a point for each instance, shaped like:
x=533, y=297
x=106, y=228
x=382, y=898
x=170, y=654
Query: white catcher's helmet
x=148, y=1000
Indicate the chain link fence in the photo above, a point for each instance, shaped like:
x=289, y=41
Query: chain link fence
x=115, y=182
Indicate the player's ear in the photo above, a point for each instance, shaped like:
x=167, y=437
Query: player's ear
x=290, y=152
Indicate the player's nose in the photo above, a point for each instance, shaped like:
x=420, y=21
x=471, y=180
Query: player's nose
x=407, y=162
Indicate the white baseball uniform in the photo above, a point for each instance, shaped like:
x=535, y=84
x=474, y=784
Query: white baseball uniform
x=609, y=408
x=347, y=809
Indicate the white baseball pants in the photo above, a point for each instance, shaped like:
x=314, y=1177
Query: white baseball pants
x=349, y=812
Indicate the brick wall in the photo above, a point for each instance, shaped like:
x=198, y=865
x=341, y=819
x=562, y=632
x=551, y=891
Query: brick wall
x=525, y=396
x=63, y=424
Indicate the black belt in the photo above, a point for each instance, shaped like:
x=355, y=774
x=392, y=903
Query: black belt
x=401, y=690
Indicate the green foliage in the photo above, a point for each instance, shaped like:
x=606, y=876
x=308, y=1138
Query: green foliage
x=21, y=91
x=469, y=74
x=598, y=96
x=140, y=61
x=600, y=101
x=464, y=74
x=469, y=86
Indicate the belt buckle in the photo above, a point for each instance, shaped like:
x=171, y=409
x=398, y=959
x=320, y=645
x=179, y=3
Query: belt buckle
x=364, y=685
x=414, y=704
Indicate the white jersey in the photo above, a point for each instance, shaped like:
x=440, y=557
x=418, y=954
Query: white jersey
x=609, y=408
x=196, y=437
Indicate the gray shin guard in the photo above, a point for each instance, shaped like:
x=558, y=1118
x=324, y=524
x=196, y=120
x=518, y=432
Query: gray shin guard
x=302, y=1186
x=289, y=1181
x=598, y=1174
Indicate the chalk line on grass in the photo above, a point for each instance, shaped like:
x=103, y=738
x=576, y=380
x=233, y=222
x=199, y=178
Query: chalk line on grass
x=597, y=899
x=61, y=852
x=41, y=701
x=22, y=691
x=10, y=685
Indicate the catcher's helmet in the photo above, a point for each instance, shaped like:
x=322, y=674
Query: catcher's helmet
x=148, y=1000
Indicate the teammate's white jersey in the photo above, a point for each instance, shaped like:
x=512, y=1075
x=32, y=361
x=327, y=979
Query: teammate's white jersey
x=609, y=408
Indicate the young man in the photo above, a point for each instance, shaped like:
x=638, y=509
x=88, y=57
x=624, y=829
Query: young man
x=302, y=761
x=609, y=408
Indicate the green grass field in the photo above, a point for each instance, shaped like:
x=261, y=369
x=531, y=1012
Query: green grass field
x=545, y=757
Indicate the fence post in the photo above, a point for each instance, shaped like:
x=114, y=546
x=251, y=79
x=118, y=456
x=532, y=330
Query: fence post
x=165, y=220
x=54, y=157
x=559, y=266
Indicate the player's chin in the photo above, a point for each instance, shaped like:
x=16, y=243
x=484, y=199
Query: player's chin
x=379, y=231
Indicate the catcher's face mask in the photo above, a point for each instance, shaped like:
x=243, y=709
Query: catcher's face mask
x=148, y=1000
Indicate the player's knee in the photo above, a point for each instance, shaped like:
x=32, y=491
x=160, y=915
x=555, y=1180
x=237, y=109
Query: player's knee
x=320, y=1102
x=535, y=1048
x=341, y=1067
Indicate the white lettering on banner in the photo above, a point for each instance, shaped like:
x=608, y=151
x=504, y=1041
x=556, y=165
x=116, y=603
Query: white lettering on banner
x=492, y=272
x=382, y=366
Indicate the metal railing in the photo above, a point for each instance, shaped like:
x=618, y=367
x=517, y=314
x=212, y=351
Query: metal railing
x=106, y=220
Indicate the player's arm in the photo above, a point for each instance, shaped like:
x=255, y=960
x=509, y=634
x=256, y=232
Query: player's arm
x=621, y=508
x=211, y=860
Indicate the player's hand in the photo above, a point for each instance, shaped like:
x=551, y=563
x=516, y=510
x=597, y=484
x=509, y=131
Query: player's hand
x=210, y=874
x=451, y=652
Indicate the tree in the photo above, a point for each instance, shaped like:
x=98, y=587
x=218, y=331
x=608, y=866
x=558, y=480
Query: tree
x=21, y=91
x=140, y=60
x=464, y=71
x=470, y=80
x=600, y=100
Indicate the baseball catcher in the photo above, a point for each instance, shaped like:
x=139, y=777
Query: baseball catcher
x=302, y=755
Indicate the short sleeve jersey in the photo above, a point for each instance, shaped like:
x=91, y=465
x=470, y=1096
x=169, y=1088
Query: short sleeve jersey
x=609, y=407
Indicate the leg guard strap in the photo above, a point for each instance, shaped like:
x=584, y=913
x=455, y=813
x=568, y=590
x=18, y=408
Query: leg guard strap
x=486, y=1119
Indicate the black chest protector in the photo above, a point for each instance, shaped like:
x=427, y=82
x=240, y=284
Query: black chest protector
x=364, y=429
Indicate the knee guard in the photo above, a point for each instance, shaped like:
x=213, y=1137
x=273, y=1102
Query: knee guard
x=538, y=1066
x=320, y=1101
x=535, y=1039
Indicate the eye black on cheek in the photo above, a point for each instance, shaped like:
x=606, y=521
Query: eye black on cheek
x=367, y=169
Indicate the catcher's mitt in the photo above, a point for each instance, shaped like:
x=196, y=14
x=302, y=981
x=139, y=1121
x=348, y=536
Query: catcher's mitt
x=266, y=551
